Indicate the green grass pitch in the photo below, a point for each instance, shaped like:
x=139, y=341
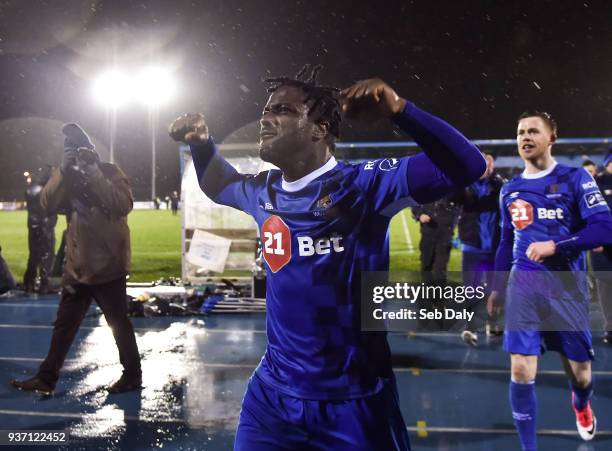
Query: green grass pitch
x=156, y=243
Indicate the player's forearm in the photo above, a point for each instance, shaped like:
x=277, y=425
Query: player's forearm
x=446, y=147
x=213, y=171
x=598, y=232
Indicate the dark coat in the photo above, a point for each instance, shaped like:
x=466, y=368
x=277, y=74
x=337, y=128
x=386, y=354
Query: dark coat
x=443, y=213
x=98, y=238
x=473, y=205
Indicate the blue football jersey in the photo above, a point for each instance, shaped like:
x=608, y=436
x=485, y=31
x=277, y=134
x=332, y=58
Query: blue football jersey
x=316, y=241
x=319, y=234
x=550, y=205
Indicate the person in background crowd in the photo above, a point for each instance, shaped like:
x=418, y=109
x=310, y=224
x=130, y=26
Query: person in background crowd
x=438, y=221
x=174, y=202
x=479, y=232
x=590, y=167
x=41, y=235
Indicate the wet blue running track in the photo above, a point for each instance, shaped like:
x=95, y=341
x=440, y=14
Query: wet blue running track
x=195, y=372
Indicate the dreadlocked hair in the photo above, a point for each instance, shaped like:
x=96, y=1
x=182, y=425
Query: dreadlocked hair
x=325, y=106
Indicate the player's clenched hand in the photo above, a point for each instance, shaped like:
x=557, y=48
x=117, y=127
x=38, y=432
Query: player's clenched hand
x=495, y=304
x=370, y=100
x=540, y=250
x=189, y=128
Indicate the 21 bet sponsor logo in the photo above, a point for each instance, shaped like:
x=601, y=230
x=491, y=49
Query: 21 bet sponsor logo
x=522, y=213
x=276, y=244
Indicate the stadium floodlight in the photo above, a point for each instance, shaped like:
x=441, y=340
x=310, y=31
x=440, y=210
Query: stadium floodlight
x=154, y=86
x=112, y=89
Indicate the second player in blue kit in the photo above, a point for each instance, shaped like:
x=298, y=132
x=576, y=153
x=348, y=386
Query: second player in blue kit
x=551, y=214
x=324, y=384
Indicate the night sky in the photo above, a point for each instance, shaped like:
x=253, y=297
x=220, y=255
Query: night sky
x=477, y=64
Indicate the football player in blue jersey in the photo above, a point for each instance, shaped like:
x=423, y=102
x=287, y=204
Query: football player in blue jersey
x=323, y=384
x=551, y=214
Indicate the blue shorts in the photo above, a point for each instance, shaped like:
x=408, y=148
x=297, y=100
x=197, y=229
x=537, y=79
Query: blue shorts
x=548, y=311
x=273, y=421
x=538, y=301
x=576, y=346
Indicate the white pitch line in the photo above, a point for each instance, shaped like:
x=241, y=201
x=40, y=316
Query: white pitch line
x=26, y=359
x=403, y=369
x=425, y=334
x=225, y=331
x=102, y=416
x=435, y=429
x=203, y=364
x=399, y=369
x=407, y=236
x=230, y=331
x=140, y=329
x=225, y=420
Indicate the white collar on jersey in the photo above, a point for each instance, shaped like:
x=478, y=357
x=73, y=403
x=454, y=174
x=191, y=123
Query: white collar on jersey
x=301, y=183
x=539, y=175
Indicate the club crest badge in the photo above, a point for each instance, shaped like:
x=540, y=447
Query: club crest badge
x=324, y=202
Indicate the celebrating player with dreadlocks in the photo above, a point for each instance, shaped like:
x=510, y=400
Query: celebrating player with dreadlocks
x=323, y=383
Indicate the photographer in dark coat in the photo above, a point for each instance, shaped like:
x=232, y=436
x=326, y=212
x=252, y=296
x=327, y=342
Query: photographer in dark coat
x=97, y=257
x=41, y=235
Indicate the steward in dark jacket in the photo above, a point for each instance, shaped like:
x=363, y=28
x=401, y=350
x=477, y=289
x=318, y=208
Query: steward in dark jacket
x=41, y=235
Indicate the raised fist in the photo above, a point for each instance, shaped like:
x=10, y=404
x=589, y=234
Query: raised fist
x=189, y=128
x=370, y=100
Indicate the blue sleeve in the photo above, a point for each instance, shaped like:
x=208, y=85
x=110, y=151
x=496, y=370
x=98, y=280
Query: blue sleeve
x=503, y=256
x=449, y=160
x=597, y=232
x=594, y=210
x=219, y=180
x=589, y=198
x=385, y=182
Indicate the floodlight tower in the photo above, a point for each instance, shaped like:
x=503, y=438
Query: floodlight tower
x=154, y=87
x=112, y=89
